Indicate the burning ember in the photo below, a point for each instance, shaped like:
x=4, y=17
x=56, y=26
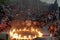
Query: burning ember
x=25, y=33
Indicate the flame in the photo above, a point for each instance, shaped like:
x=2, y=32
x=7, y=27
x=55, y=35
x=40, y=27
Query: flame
x=13, y=30
x=11, y=33
x=24, y=29
x=29, y=36
x=16, y=35
x=32, y=28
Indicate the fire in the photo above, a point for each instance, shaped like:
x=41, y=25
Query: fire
x=15, y=35
x=20, y=33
